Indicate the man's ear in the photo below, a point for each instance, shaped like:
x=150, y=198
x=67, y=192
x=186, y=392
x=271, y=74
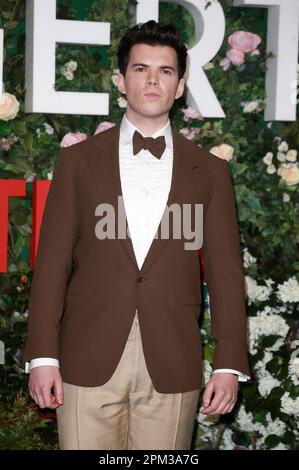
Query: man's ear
x=121, y=83
x=180, y=88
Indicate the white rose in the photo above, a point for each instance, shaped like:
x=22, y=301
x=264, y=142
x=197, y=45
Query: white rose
x=208, y=66
x=114, y=79
x=48, y=129
x=291, y=155
x=271, y=169
x=68, y=75
x=267, y=159
x=281, y=156
x=9, y=107
x=250, y=106
x=71, y=65
x=122, y=102
x=283, y=147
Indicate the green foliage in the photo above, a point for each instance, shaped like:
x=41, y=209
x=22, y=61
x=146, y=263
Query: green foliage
x=23, y=427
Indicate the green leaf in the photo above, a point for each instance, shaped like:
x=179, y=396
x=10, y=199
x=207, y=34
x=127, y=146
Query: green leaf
x=4, y=128
x=272, y=441
x=11, y=25
x=208, y=353
x=33, y=117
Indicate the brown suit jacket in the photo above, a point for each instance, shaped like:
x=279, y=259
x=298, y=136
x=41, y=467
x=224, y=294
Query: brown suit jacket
x=85, y=291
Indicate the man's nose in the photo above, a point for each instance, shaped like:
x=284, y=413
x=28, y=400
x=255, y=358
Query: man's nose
x=152, y=78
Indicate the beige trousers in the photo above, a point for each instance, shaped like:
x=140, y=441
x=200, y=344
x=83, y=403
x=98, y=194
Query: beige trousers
x=126, y=412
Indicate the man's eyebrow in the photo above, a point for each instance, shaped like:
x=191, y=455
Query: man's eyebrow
x=161, y=66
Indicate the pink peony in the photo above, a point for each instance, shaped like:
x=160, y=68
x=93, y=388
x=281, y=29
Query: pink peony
x=244, y=41
x=225, y=64
x=235, y=57
x=103, y=126
x=72, y=138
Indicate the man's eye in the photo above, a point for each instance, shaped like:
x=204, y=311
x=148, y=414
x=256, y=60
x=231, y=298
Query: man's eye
x=138, y=68
x=167, y=71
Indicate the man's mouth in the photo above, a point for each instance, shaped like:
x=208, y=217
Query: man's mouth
x=152, y=95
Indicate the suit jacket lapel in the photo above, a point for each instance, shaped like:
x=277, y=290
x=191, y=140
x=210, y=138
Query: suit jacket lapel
x=103, y=162
x=185, y=178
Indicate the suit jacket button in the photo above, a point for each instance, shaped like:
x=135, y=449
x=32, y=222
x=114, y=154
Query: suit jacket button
x=141, y=278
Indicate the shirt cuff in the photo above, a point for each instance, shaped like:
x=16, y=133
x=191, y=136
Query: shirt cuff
x=241, y=377
x=41, y=361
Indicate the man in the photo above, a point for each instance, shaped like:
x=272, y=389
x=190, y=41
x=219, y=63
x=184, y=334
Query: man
x=98, y=303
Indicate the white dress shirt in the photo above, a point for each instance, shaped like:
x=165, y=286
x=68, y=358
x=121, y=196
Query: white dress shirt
x=145, y=183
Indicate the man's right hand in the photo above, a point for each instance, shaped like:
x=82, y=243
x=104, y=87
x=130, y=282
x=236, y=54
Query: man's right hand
x=41, y=381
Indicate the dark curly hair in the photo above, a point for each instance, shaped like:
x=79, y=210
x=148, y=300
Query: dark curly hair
x=152, y=33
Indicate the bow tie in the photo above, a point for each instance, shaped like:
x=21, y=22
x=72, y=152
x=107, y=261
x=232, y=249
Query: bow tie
x=155, y=146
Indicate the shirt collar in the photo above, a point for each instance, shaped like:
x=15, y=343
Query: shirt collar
x=127, y=130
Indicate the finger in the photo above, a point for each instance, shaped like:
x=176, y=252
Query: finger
x=227, y=409
x=223, y=407
x=207, y=396
x=40, y=401
x=44, y=403
x=47, y=397
x=227, y=404
x=31, y=393
x=34, y=397
x=59, y=391
x=213, y=410
x=216, y=404
x=54, y=404
x=231, y=406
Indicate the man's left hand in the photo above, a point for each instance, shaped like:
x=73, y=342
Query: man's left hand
x=220, y=394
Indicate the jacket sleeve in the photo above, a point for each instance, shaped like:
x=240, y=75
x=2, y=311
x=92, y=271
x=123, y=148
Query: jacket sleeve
x=223, y=270
x=53, y=263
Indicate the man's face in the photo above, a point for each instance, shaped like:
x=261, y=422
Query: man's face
x=151, y=69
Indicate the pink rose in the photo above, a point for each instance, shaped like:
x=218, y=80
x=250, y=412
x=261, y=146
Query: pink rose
x=190, y=113
x=225, y=64
x=103, y=126
x=5, y=144
x=72, y=138
x=255, y=52
x=191, y=133
x=235, y=57
x=31, y=178
x=244, y=41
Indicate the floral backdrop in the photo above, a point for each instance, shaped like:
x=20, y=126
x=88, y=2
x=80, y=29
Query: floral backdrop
x=262, y=157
